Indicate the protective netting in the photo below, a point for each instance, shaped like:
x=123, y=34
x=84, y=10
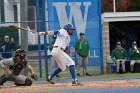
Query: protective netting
x=22, y=13
x=28, y=14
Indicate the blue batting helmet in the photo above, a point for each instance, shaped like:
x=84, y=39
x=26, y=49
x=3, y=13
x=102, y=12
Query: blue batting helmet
x=68, y=26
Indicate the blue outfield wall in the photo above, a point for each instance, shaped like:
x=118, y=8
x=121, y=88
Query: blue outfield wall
x=85, y=15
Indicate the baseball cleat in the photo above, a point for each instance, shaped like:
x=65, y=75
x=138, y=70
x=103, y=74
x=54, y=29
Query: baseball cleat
x=78, y=74
x=1, y=84
x=57, y=76
x=19, y=84
x=50, y=81
x=87, y=74
x=76, y=83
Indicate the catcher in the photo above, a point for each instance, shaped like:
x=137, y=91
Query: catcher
x=12, y=68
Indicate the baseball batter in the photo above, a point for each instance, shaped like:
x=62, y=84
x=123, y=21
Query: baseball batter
x=59, y=54
x=12, y=68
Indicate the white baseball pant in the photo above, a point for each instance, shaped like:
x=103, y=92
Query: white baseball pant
x=61, y=58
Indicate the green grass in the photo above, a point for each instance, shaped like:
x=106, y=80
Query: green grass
x=1, y=70
x=118, y=75
x=65, y=74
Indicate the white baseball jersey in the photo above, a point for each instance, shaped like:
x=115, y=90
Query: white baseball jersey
x=63, y=39
x=62, y=58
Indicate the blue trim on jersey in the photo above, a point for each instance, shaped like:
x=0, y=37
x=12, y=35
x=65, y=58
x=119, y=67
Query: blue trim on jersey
x=56, y=32
x=67, y=48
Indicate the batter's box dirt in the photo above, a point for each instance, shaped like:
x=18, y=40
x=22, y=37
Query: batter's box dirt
x=124, y=84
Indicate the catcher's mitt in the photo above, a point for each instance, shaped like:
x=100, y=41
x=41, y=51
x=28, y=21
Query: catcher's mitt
x=34, y=76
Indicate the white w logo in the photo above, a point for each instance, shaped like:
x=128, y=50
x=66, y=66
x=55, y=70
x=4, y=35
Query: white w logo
x=74, y=13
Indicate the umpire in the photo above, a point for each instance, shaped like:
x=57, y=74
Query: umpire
x=12, y=68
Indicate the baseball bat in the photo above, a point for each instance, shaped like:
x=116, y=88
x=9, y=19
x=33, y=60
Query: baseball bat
x=18, y=27
x=25, y=29
x=33, y=31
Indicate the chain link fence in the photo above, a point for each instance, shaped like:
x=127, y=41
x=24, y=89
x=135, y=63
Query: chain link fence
x=23, y=13
x=32, y=14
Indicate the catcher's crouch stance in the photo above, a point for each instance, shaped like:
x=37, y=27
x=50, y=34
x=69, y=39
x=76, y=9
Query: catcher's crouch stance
x=12, y=68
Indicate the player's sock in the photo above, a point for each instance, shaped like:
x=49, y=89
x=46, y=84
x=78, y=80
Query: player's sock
x=57, y=71
x=72, y=71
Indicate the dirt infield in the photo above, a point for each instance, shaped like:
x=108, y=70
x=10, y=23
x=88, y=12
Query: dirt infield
x=129, y=83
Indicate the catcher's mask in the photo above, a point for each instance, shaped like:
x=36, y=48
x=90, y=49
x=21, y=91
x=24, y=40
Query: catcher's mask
x=21, y=53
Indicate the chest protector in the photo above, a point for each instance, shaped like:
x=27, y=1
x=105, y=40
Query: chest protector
x=17, y=67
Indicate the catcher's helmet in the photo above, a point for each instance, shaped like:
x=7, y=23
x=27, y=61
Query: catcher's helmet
x=68, y=26
x=20, y=52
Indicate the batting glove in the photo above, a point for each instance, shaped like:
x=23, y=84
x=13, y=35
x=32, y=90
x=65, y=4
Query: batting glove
x=71, y=50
